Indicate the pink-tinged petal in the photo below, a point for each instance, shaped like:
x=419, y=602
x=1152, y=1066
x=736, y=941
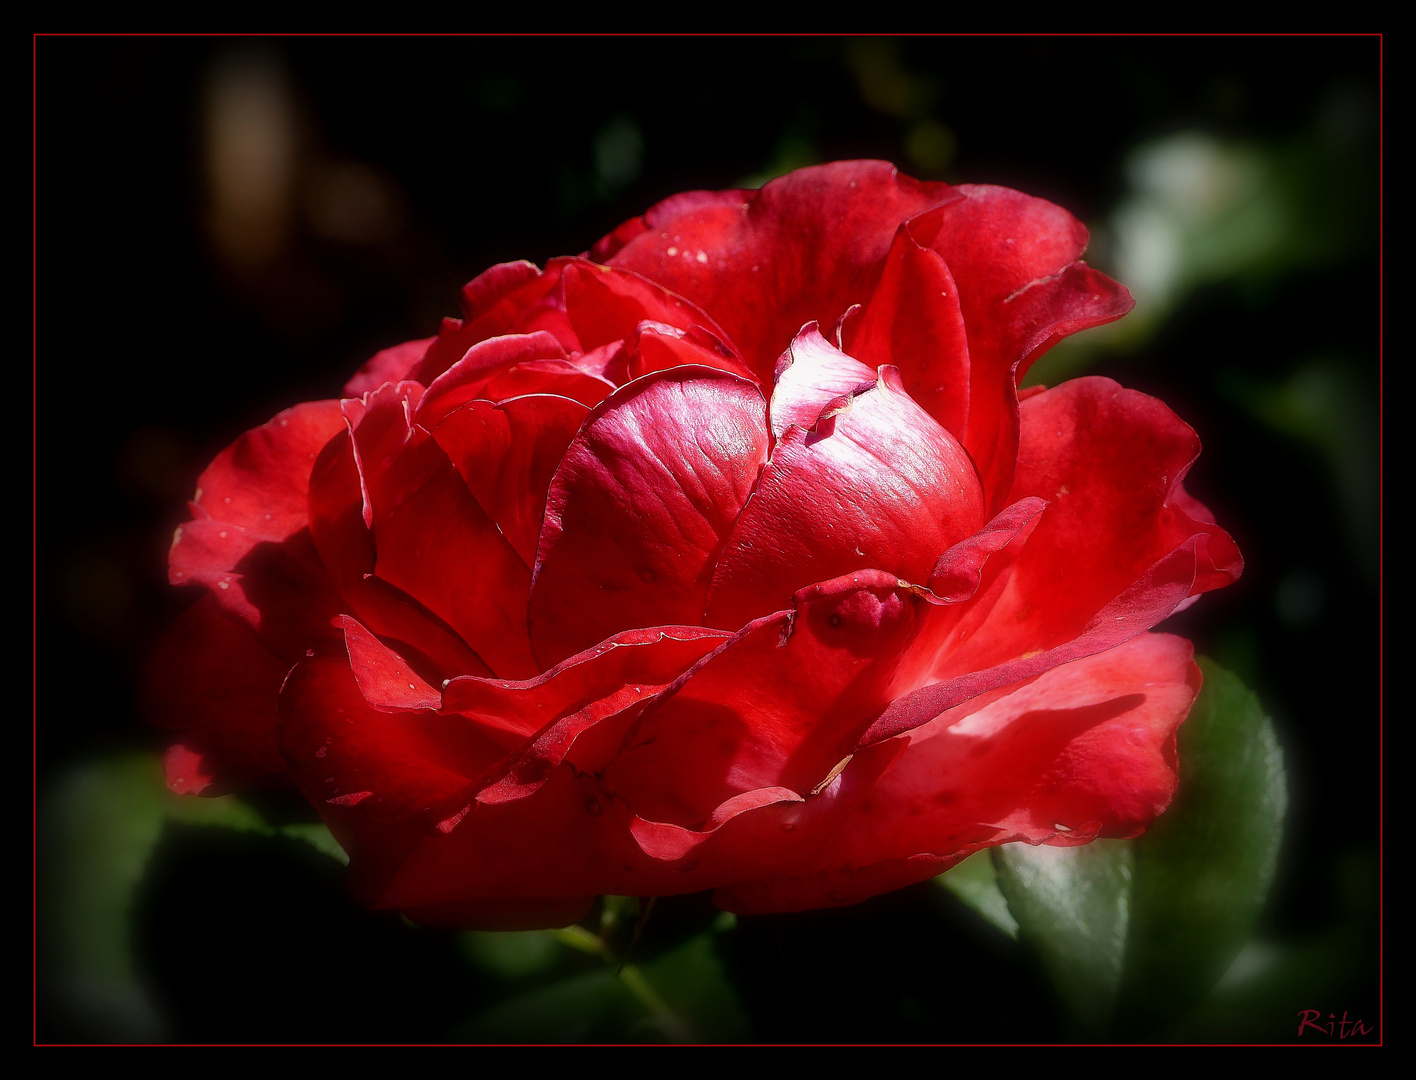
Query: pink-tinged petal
x=491, y=304
x=507, y=454
x=1084, y=750
x=468, y=379
x=346, y=549
x=211, y=679
x=437, y=545
x=913, y=320
x=877, y=484
x=389, y=765
x=1022, y=287
x=659, y=346
x=640, y=506
x=567, y=711
x=810, y=375
x=777, y=706
x=385, y=678
x=802, y=249
x=387, y=365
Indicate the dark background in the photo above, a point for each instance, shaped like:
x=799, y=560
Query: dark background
x=181, y=300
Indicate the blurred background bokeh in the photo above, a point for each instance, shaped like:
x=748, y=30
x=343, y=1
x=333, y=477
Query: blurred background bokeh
x=226, y=227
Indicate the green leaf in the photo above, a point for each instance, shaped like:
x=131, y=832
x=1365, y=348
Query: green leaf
x=97, y=824
x=975, y=882
x=1136, y=933
x=1073, y=905
x=512, y=954
x=1204, y=869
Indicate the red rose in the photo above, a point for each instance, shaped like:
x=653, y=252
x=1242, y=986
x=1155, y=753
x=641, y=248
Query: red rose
x=725, y=557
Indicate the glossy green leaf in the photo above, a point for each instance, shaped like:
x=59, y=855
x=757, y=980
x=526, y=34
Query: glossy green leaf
x=1134, y=933
x=975, y=882
x=1203, y=870
x=1073, y=905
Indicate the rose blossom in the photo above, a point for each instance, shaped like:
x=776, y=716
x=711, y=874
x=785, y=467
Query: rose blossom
x=724, y=557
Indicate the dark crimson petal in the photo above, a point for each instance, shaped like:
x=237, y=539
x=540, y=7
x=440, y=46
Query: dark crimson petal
x=802, y=249
x=558, y=846
x=342, y=750
x=563, y=710
x=913, y=320
x=280, y=590
x=1086, y=749
x=640, y=506
x=212, y=680
x=387, y=365
x=436, y=544
x=776, y=707
x=346, y=549
x=507, y=453
x=877, y=484
x=384, y=677
x=247, y=542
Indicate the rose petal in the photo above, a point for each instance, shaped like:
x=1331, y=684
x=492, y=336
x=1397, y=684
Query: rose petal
x=346, y=549
x=210, y=678
x=1021, y=289
x=877, y=484
x=810, y=375
x=463, y=570
x=913, y=320
x=1109, y=461
x=614, y=679
x=388, y=764
x=507, y=453
x=640, y=505
x=387, y=365
x=1084, y=750
x=491, y=304
x=802, y=249
x=777, y=706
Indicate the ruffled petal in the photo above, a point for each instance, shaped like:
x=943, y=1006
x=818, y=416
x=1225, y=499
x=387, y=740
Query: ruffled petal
x=802, y=249
x=1084, y=750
